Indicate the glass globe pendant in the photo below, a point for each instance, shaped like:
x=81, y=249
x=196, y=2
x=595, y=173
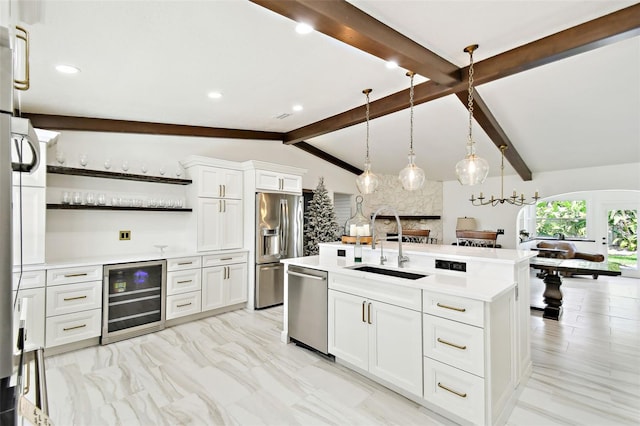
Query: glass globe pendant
x=471, y=170
x=412, y=177
x=367, y=182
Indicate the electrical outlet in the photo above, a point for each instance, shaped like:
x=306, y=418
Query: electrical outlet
x=125, y=235
x=500, y=231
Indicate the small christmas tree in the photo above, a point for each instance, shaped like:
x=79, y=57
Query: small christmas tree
x=321, y=225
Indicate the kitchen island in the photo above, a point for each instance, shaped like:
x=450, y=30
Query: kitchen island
x=454, y=339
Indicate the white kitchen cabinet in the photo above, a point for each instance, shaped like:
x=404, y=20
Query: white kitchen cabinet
x=34, y=297
x=183, y=304
x=28, y=203
x=70, y=328
x=32, y=288
x=469, y=355
x=184, y=287
x=224, y=285
x=381, y=338
x=219, y=224
x=267, y=180
x=214, y=182
x=74, y=304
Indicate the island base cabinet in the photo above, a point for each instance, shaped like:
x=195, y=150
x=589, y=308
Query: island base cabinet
x=348, y=329
x=395, y=354
x=377, y=337
x=454, y=390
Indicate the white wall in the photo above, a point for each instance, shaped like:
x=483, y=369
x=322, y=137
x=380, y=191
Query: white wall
x=456, y=197
x=79, y=234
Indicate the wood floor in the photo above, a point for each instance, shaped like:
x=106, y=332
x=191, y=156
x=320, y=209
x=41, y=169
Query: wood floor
x=233, y=369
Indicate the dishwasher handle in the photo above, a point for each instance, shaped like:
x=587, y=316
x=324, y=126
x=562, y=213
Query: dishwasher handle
x=313, y=277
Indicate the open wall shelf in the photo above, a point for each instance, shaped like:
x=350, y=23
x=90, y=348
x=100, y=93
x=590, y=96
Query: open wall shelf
x=405, y=217
x=116, y=175
x=121, y=208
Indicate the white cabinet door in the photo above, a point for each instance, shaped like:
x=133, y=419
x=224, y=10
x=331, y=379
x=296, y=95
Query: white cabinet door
x=69, y=328
x=395, y=347
x=236, y=283
x=348, y=329
x=231, y=225
x=219, y=224
x=33, y=225
x=213, y=288
x=209, y=217
x=291, y=183
x=34, y=337
x=219, y=183
x=279, y=182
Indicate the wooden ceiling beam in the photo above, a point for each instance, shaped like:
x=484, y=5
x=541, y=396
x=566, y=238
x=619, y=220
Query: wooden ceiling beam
x=328, y=157
x=492, y=128
x=64, y=122
x=607, y=29
x=345, y=22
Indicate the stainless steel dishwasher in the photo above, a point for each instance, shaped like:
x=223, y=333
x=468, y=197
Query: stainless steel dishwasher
x=307, y=306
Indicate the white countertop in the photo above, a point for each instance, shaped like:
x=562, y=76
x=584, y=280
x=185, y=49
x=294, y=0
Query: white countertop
x=447, y=282
x=114, y=259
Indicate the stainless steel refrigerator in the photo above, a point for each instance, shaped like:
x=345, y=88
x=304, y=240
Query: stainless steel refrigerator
x=278, y=236
x=18, y=134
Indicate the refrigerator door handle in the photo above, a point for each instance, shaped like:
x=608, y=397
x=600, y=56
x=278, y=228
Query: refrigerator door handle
x=284, y=228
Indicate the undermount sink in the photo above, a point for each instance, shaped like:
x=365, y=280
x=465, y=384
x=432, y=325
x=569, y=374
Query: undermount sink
x=390, y=272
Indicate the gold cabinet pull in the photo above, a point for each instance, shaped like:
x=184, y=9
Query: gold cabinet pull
x=461, y=395
x=183, y=305
x=66, y=299
x=224, y=190
x=81, y=274
x=74, y=328
x=439, y=305
x=451, y=344
x=184, y=281
x=369, y=313
x=363, y=303
x=226, y=258
x=23, y=85
x=185, y=263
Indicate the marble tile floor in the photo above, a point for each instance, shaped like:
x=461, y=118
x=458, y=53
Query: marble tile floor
x=233, y=370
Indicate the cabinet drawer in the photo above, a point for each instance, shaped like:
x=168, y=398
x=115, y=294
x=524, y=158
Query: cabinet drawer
x=74, y=275
x=393, y=294
x=183, y=263
x=456, y=308
x=30, y=279
x=459, y=345
x=224, y=259
x=69, y=298
x=180, y=305
x=454, y=390
x=183, y=281
x=70, y=328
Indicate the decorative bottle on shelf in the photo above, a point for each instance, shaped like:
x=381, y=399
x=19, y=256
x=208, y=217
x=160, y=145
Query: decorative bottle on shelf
x=358, y=224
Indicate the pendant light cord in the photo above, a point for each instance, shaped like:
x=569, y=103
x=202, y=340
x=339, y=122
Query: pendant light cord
x=470, y=98
x=411, y=74
x=366, y=92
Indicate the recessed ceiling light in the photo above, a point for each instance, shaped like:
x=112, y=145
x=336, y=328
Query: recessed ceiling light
x=67, y=69
x=302, y=28
x=215, y=95
x=392, y=65
x=297, y=108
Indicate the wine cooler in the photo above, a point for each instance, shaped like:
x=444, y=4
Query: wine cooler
x=134, y=299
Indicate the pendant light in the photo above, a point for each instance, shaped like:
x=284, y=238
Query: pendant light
x=471, y=170
x=412, y=176
x=367, y=182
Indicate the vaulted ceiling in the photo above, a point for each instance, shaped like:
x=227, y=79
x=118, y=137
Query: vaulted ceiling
x=559, y=82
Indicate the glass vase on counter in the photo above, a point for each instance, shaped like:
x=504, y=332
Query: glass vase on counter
x=358, y=224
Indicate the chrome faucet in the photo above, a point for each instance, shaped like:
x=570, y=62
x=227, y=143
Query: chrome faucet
x=401, y=259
